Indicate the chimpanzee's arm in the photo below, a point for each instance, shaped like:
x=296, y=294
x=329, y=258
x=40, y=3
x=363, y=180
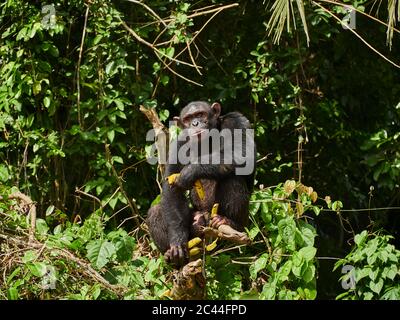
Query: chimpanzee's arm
x=175, y=209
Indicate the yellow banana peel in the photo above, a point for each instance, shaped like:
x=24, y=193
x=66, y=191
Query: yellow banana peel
x=212, y=245
x=194, y=242
x=172, y=178
x=214, y=210
x=199, y=189
x=194, y=251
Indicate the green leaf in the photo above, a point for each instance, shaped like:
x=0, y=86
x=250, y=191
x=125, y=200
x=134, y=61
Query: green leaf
x=22, y=33
x=368, y=295
x=29, y=256
x=309, y=273
x=268, y=292
x=287, y=230
x=284, y=271
x=337, y=205
x=372, y=258
x=392, y=272
x=97, y=39
x=343, y=295
x=41, y=227
x=113, y=202
x=361, y=273
x=125, y=247
x=96, y=290
x=99, y=252
x=310, y=294
x=392, y=293
x=50, y=210
x=36, y=26
x=12, y=293
x=58, y=229
x=253, y=232
x=37, y=87
x=120, y=104
x=15, y=273
x=373, y=274
x=254, y=207
x=156, y=200
x=54, y=51
x=118, y=159
x=163, y=114
x=51, y=48
x=359, y=239
x=44, y=66
x=111, y=135
x=307, y=233
x=4, y=175
x=46, y=102
x=38, y=269
x=308, y=253
x=376, y=286
x=164, y=79
x=316, y=210
x=169, y=52
x=258, y=265
x=298, y=263
x=383, y=255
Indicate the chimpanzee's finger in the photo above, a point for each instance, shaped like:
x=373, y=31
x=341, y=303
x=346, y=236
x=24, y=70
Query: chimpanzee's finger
x=167, y=256
x=181, y=256
x=174, y=254
x=216, y=221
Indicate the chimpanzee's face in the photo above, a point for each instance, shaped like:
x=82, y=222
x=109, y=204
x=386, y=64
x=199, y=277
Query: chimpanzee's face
x=198, y=118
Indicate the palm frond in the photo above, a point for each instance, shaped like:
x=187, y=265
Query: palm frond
x=393, y=17
x=281, y=12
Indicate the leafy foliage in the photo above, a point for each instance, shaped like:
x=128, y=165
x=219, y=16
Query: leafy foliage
x=281, y=264
x=376, y=270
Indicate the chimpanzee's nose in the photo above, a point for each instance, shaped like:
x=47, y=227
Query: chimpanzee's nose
x=195, y=123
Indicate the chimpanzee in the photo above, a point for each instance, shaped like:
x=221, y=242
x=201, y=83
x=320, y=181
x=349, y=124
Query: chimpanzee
x=172, y=222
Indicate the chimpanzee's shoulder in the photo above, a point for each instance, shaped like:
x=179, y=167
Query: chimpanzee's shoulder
x=234, y=120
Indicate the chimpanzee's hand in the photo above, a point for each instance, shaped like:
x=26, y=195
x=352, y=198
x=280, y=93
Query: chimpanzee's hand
x=219, y=220
x=186, y=178
x=177, y=255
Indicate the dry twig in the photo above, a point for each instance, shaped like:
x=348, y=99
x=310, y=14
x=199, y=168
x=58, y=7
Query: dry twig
x=27, y=202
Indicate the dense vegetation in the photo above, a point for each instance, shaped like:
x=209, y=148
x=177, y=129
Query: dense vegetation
x=325, y=107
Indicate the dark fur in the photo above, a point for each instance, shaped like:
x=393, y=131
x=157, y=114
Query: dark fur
x=170, y=222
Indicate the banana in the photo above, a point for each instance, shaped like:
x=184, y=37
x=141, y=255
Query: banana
x=194, y=251
x=212, y=245
x=214, y=210
x=199, y=189
x=194, y=242
x=172, y=178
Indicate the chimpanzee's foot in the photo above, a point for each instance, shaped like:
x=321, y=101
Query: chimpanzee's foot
x=177, y=255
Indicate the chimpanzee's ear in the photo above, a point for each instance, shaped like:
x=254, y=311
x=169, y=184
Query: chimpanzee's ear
x=216, y=107
x=178, y=122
